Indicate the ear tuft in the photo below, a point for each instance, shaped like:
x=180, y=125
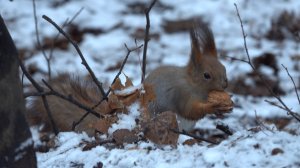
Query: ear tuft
x=202, y=41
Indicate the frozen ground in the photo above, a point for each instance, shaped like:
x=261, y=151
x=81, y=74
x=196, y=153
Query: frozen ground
x=270, y=147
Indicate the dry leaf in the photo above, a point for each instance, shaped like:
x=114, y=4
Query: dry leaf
x=158, y=129
x=104, y=108
x=122, y=136
x=128, y=82
x=190, y=142
x=102, y=125
x=114, y=102
x=117, y=85
x=148, y=96
x=127, y=101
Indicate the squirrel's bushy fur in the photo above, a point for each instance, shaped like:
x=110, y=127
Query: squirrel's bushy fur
x=65, y=113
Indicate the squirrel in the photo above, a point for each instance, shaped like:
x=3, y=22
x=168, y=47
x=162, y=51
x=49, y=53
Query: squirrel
x=182, y=90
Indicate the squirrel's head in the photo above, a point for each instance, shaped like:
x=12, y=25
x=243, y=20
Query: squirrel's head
x=204, y=67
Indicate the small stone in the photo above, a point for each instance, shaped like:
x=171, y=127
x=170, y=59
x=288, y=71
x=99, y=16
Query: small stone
x=277, y=151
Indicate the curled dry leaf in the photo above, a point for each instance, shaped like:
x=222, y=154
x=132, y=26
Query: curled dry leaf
x=122, y=136
x=117, y=85
x=128, y=82
x=158, y=130
x=190, y=142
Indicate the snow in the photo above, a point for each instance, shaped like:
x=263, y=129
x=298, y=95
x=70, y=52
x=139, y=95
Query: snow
x=243, y=149
x=126, y=121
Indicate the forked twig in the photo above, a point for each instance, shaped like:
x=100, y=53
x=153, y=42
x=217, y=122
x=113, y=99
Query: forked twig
x=123, y=64
x=248, y=61
x=146, y=39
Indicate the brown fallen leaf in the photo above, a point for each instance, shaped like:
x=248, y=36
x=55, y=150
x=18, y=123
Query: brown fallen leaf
x=122, y=136
x=148, y=96
x=102, y=125
x=128, y=82
x=114, y=102
x=190, y=142
x=117, y=85
x=158, y=128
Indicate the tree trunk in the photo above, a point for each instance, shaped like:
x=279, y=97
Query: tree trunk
x=16, y=144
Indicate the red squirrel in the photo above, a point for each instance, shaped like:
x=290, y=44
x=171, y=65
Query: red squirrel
x=182, y=90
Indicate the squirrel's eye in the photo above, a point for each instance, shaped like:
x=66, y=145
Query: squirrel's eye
x=207, y=76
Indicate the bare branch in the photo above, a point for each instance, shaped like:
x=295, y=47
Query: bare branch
x=146, y=39
x=41, y=90
x=38, y=40
x=295, y=115
x=99, y=85
x=34, y=94
x=274, y=104
x=295, y=87
x=123, y=64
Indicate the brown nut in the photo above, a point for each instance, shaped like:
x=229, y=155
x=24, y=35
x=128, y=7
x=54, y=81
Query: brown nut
x=220, y=97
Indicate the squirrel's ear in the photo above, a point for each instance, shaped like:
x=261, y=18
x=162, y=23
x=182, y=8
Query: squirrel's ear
x=202, y=41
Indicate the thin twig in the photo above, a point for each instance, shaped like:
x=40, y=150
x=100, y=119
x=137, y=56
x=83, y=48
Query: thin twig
x=258, y=74
x=274, y=104
x=34, y=94
x=224, y=128
x=44, y=99
x=99, y=85
x=38, y=40
x=295, y=87
x=66, y=23
x=237, y=59
x=75, y=123
x=146, y=39
x=183, y=132
x=261, y=124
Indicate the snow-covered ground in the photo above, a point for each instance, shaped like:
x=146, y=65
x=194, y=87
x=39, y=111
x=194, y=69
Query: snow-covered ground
x=269, y=147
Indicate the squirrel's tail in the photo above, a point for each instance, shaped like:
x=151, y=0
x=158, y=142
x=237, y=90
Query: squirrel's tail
x=64, y=113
